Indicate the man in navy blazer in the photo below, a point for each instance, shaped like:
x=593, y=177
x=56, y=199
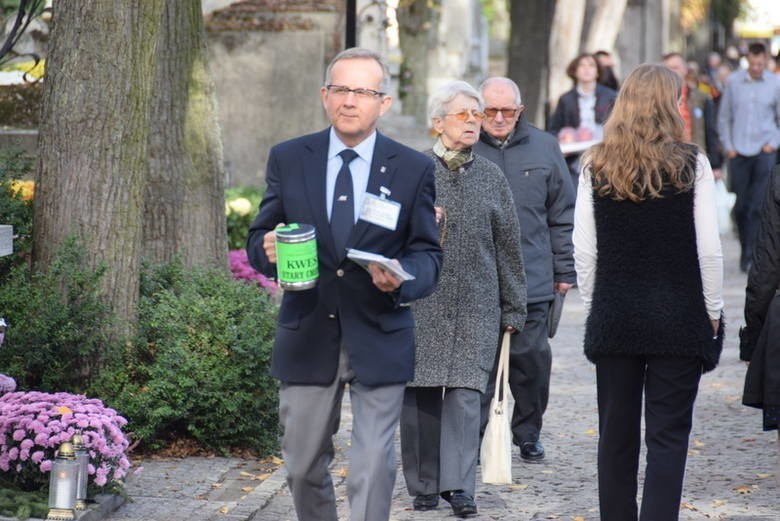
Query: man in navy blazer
x=355, y=326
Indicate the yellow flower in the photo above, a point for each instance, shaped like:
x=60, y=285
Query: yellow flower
x=26, y=188
x=29, y=66
x=240, y=205
x=63, y=409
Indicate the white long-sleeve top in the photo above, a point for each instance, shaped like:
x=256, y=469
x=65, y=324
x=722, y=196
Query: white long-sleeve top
x=707, y=238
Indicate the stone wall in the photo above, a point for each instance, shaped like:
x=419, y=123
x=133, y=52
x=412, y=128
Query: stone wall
x=268, y=62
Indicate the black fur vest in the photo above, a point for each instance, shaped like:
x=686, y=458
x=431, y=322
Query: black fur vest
x=647, y=297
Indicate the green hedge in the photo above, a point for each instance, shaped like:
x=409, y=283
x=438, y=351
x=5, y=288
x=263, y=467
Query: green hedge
x=55, y=339
x=199, y=368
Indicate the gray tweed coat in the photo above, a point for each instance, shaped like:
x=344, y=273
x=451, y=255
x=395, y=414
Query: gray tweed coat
x=482, y=286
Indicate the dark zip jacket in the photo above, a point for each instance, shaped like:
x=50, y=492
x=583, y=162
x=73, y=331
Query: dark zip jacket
x=544, y=197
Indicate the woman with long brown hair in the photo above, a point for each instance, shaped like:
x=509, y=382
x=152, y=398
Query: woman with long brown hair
x=649, y=268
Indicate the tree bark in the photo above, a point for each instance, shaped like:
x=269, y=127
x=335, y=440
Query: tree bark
x=93, y=140
x=417, y=29
x=529, y=54
x=565, y=37
x=184, y=196
x=604, y=28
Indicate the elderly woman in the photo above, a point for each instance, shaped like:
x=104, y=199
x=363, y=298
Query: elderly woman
x=481, y=292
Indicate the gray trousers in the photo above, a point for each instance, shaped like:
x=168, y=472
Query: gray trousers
x=440, y=439
x=310, y=416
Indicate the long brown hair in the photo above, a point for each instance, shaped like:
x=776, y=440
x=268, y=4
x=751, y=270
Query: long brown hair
x=643, y=151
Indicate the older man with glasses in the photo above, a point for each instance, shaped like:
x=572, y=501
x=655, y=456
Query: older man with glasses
x=355, y=330
x=544, y=199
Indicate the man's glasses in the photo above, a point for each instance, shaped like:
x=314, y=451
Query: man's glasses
x=341, y=90
x=465, y=114
x=507, y=113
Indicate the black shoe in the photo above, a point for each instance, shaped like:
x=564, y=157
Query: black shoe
x=532, y=450
x=462, y=504
x=426, y=502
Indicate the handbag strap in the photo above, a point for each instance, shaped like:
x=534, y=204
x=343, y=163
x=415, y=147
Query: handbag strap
x=502, y=374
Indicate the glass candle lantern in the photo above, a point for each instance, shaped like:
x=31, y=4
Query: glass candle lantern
x=62, y=485
x=82, y=457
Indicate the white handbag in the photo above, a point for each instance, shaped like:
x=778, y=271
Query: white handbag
x=724, y=201
x=496, y=451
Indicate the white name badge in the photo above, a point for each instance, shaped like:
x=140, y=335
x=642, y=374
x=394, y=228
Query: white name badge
x=380, y=211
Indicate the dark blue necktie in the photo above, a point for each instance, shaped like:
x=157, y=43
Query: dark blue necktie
x=342, y=216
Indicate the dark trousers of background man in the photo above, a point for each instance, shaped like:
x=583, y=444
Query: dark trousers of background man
x=748, y=178
x=670, y=386
x=530, y=361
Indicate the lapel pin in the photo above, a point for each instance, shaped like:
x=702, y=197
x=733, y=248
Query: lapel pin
x=382, y=169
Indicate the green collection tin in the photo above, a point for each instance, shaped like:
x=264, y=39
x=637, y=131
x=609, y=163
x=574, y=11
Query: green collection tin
x=296, y=257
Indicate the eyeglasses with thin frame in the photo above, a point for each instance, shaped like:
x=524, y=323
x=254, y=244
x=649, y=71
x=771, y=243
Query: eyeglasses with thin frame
x=464, y=115
x=507, y=113
x=341, y=90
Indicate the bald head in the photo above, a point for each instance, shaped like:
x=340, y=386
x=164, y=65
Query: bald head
x=501, y=83
x=503, y=106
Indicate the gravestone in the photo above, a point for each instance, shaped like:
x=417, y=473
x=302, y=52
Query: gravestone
x=6, y=239
x=268, y=62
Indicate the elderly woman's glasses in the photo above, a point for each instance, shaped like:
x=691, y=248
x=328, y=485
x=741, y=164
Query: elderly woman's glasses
x=341, y=90
x=507, y=113
x=464, y=115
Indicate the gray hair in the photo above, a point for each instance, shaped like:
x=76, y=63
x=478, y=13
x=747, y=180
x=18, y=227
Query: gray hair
x=506, y=81
x=440, y=100
x=361, y=53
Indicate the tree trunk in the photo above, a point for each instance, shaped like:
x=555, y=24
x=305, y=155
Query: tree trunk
x=529, y=54
x=606, y=23
x=564, y=45
x=417, y=29
x=93, y=140
x=184, y=197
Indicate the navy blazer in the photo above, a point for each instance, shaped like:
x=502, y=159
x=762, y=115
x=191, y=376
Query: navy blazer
x=376, y=329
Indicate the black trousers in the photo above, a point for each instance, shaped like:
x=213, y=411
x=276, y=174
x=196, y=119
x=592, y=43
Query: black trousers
x=670, y=386
x=530, y=362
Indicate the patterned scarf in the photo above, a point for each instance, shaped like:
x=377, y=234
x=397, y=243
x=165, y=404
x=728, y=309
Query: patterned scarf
x=454, y=159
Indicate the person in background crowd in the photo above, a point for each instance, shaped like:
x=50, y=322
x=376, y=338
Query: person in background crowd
x=608, y=77
x=581, y=112
x=697, y=79
x=544, y=198
x=360, y=190
x=650, y=273
x=482, y=292
x=698, y=112
x=759, y=344
x=749, y=129
x=732, y=57
x=714, y=61
x=723, y=73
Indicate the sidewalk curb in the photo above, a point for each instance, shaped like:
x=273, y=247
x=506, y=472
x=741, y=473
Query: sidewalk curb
x=262, y=495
